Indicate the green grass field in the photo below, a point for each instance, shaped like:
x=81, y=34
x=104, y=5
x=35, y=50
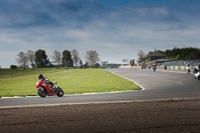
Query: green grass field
x=72, y=81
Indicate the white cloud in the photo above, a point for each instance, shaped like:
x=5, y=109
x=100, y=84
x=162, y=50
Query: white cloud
x=7, y=59
x=160, y=11
x=78, y=34
x=115, y=31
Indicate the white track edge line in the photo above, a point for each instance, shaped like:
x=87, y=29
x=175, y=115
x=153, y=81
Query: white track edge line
x=130, y=80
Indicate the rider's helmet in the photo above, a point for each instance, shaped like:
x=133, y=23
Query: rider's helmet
x=40, y=76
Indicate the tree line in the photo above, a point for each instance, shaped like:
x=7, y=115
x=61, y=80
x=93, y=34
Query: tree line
x=39, y=59
x=186, y=53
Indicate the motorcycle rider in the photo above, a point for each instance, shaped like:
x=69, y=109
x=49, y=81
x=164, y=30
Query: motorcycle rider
x=187, y=68
x=44, y=79
x=149, y=66
x=154, y=67
x=195, y=70
x=199, y=66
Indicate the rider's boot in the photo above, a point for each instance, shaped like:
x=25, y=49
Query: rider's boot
x=53, y=89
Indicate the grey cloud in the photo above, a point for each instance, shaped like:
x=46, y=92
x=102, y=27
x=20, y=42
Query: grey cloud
x=79, y=13
x=72, y=5
x=77, y=5
x=38, y=20
x=24, y=14
x=71, y=13
x=96, y=24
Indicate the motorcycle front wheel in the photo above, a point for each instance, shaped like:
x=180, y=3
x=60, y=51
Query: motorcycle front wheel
x=60, y=92
x=42, y=93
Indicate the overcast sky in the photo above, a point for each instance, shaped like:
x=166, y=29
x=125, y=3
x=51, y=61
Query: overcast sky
x=116, y=29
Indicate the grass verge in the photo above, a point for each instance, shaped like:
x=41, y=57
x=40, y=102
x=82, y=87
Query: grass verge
x=72, y=81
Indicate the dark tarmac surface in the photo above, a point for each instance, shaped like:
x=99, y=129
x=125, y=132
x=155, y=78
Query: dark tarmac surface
x=125, y=117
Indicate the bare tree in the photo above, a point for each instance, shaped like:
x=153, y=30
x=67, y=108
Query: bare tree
x=81, y=63
x=75, y=57
x=30, y=56
x=92, y=57
x=104, y=63
x=57, y=57
x=141, y=54
x=22, y=59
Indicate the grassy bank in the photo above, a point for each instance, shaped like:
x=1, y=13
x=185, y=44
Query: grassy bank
x=72, y=81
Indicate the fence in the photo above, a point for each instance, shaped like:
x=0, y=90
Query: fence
x=180, y=65
x=173, y=65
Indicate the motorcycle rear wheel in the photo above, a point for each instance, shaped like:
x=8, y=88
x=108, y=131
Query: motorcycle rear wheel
x=60, y=92
x=188, y=72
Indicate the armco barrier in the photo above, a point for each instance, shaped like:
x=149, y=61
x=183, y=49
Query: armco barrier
x=168, y=67
x=128, y=66
x=179, y=67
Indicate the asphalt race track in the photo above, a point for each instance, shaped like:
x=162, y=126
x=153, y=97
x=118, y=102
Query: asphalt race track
x=162, y=84
x=156, y=85
x=169, y=102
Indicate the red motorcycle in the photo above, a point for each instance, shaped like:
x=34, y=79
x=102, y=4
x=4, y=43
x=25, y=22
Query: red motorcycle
x=47, y=88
